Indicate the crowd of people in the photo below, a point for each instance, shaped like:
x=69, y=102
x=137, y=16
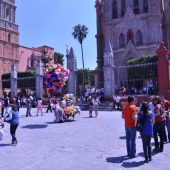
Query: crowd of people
x=9, y=111
x=151, y=120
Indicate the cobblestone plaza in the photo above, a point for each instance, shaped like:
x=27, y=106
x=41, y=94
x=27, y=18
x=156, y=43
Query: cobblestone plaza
x=83, y=144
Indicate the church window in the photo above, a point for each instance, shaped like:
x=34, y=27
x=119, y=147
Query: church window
x=122, y=40
x=114, y=9
x=123, y=7
x=9, y=37
x=130, y=35
x=136, y=6
x=8, y=16
x=145, y=6
x=139, y=38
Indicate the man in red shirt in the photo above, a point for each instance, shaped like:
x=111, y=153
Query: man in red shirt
x=129, y=115
x=166, y=105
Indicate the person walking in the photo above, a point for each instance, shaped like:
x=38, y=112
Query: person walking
x=129, y=114
x=146, y=118
x=39, y=107
x=90, y=102
x=58, y=113
x=159, y=126
x=13, y=119
x=95, y=106
x=28, y=107
x=49, y=106
x=116, y=102
x=166, y=106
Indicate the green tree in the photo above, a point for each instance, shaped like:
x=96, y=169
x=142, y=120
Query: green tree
x=45, y=59
x=84, y=72
x=79, y=33
x=58, y=58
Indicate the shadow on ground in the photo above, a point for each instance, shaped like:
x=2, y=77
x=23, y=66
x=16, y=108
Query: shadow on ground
x=88, y=117
x=5, y=144
x=51, y=122
x=36, y=126
x=132, y=164
x=122, y=137
x=70, y=120
x=118, y=159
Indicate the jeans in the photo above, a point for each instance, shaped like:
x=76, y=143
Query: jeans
x=90, y=110
x=49, y=108
x=131, y=141
x=167, y=125
x=28, y=113
x=146, y=141
x=13, y=128
x=159, y=129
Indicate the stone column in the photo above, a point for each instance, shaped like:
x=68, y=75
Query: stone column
x=39, y=79
x=109, y=81
x=109, y=72
x=72, y=82
x=13, y=81
x=163, y=70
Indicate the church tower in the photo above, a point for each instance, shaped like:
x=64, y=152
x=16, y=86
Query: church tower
x=9, y=38
x=72, y=66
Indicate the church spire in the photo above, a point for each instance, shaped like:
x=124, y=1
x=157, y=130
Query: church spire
x=71, y=60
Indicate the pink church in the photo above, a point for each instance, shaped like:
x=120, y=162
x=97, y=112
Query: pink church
x=28, y=56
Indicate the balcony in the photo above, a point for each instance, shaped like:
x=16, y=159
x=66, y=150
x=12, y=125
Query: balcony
x=8, y=25
x=10, y=2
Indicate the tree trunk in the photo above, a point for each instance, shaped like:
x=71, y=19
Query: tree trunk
x=83, y=67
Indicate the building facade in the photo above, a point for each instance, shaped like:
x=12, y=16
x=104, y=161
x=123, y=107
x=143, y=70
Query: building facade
x=28, y=57
x=9, y=37
x=133, y=28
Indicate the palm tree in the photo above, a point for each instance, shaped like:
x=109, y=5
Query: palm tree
x=80, y=32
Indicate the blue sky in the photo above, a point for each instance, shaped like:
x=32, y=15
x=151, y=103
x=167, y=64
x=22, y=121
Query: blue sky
x=51, y=22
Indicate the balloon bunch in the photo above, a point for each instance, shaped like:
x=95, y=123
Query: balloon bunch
x=71, y=111
x=70, y=99
x=56, y=76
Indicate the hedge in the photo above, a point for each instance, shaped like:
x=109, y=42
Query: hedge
x=19, y=74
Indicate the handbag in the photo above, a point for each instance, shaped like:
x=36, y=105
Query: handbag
x=140, y=123
x=139, y=127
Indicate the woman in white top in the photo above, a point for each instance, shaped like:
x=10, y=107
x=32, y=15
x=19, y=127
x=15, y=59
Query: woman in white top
x=39, y=107
x=95, y=105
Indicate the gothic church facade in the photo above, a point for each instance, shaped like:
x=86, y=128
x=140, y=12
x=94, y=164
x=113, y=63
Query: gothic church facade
x=133, y=28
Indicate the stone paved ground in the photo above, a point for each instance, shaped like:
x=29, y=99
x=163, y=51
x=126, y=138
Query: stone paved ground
x=83, y=144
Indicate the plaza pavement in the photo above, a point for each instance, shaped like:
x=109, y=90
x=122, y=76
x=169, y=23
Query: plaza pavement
x=83, y=144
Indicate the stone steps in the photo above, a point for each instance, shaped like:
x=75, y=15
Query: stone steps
x=101, y=107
